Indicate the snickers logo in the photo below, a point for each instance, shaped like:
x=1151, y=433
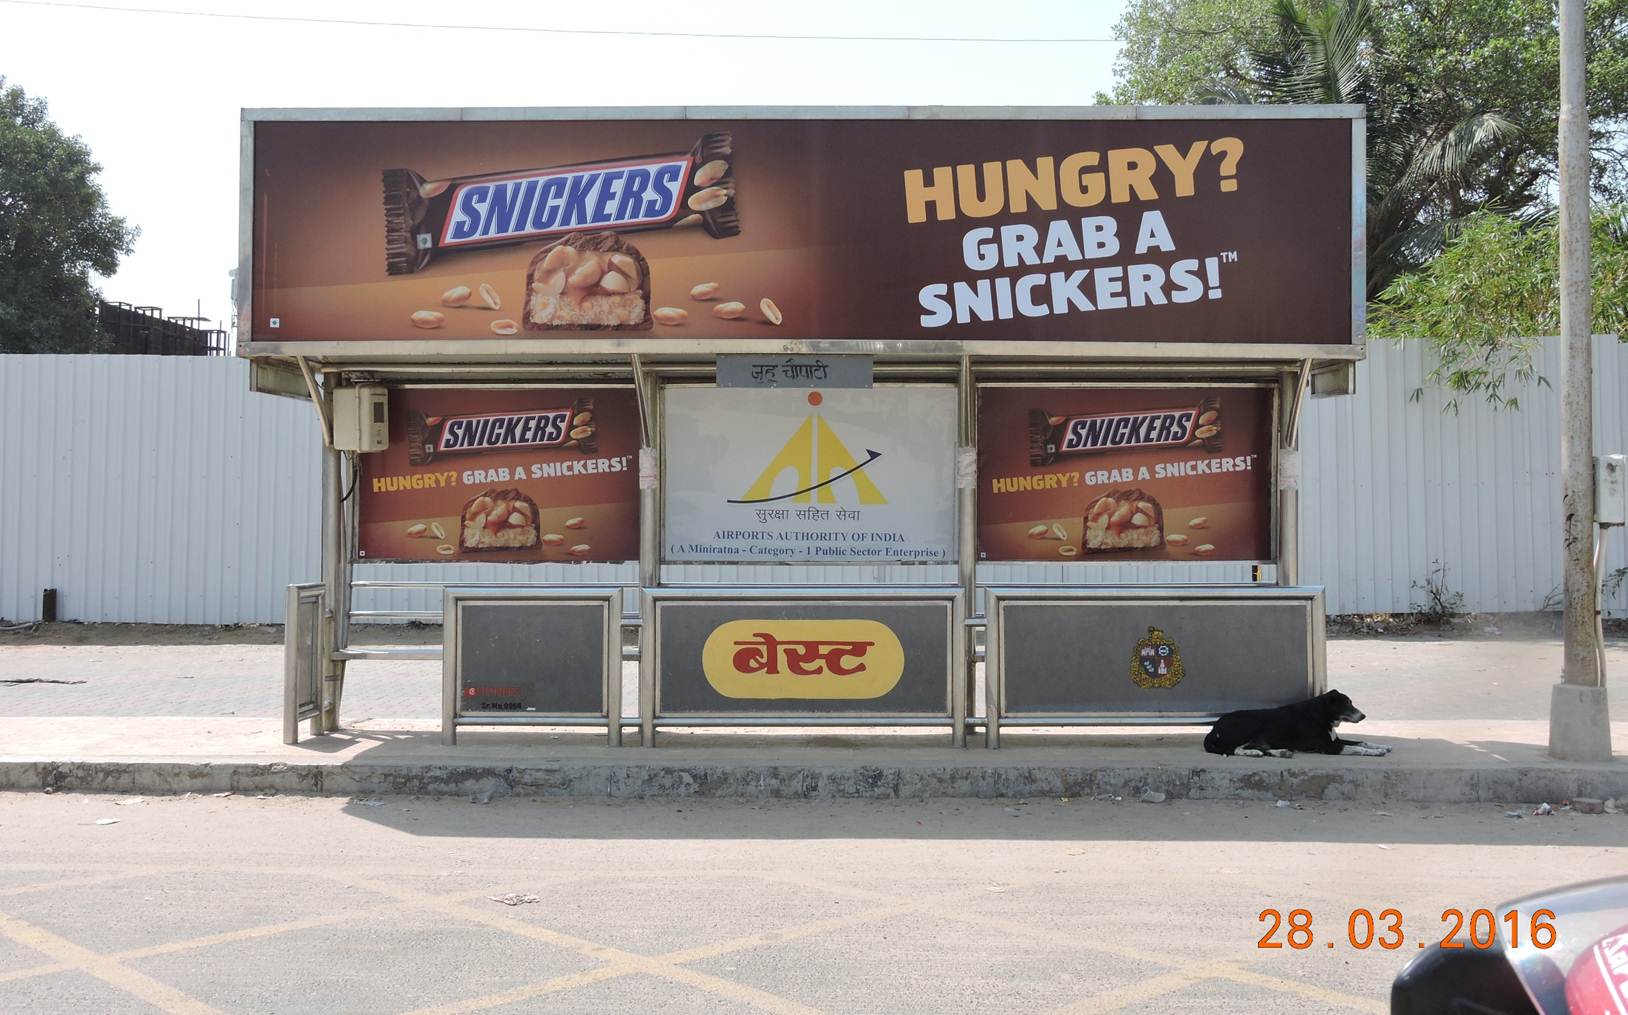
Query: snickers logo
x=1157, y=428
x=507, y=430
x=610, y=196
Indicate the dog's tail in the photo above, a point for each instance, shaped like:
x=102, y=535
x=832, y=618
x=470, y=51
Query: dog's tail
x=1213, y=744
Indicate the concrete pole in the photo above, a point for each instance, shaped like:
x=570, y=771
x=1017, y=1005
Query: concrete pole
x=1579, y=728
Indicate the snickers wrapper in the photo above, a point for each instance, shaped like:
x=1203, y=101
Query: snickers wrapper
x=1052, y=437
x=430, y=437
x=424, y=218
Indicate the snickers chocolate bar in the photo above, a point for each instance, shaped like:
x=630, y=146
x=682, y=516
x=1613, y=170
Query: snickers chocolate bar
x=1051, y=437
x=591, y=282
x=425, y=217
x=1123, y=520
x=429, y=437
x=498, y=520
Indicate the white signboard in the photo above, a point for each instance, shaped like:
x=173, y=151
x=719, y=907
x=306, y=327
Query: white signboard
x=830, y=476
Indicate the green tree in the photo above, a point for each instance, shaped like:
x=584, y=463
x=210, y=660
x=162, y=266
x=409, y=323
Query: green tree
x=1492, y=290
x=1434, y=61
x=1174, y=51
x=55, y=230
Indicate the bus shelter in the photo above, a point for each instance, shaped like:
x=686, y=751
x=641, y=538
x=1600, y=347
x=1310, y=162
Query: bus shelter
x=794, y=408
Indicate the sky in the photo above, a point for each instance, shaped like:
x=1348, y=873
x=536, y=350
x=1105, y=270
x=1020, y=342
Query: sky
x=157, y=96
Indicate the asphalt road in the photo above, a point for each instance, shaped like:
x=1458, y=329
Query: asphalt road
x=331, y=905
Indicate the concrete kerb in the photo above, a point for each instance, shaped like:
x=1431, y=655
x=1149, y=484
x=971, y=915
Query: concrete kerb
x=682, y=780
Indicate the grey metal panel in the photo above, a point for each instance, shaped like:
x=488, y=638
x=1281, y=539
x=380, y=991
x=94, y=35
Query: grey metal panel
x=1065, y=657
x=926, y=629
x=552, y=654
x=1062, y=654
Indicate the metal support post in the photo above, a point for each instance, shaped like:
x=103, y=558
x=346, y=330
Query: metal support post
x=1579, y=726
x=966, y=496
x=1291, y=397
x=333, y=670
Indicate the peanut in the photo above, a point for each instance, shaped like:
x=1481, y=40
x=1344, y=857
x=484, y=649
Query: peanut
x=627, y=266
x=580, y=550
x=417, y=531
x=688, y=220
x=1055, y=420
x=1206, y=431
x=1102, y=507
x=1039, y=532
x=1202, y=521
x=1058, y=532
x=1208, y=418
x=705, y=291
x=505, y=327
x=729, y=311
x=437, y=531
x=615, y=282
x=517, y=519
x=428, y=319
x=581, y=432
x=1176, y=539
x=771, y=313
x=551, y=284
x=559, y=258
x=552, y=539
x=1069, y=550
x=446, y=549
x=430, y=188
x=576, y=523
x=1122, y=514
x=482, y=504
x=585, y=274
x=457, y=296
x=488, y=296
x=1140, y=521
x=711, y=173
x=1203, y=549
x=582, y=418
x=1146, y=508
x=522, y=509
x=670, y=315
x=708, y=199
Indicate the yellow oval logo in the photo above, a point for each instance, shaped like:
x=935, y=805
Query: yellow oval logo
x=769, y=659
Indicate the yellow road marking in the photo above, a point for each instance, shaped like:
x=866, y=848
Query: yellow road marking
x=160, y=995
x=1147, y=990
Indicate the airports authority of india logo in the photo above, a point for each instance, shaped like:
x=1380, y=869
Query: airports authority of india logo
x=1156, y=661
x=807, y=659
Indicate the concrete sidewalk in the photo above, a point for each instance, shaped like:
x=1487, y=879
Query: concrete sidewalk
x=198, y=712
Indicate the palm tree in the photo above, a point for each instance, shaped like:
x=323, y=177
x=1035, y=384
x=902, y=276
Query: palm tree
x=1420, y=174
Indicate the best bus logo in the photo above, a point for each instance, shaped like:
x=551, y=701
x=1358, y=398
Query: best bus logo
x=829, y=659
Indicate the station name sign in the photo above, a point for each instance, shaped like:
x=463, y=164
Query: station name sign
x=1191, y=227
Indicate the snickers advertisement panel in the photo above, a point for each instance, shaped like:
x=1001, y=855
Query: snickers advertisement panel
x=1090, y=474
x=503, y=475
x=699, y=233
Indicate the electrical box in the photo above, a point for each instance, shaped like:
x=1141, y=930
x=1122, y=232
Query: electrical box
x=361, y=418
x=1611, y=489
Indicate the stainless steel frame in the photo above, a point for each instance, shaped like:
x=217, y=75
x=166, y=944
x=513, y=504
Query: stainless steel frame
x=302, y=671
x=610, y=713
x=996, y=598
x=652, y=716
x=618, y=349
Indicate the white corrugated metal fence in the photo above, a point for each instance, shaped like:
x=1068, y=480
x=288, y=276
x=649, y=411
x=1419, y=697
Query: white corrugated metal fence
x=159, y=489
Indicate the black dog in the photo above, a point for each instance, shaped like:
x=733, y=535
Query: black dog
x=1305, y=726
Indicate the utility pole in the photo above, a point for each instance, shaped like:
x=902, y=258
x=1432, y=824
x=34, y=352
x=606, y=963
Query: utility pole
x=1579, y=725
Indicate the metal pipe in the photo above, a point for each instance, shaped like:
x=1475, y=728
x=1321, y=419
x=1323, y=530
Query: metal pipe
x=1599, y=616
x=1292, y=388
x=327, y=719
x=1580, y=592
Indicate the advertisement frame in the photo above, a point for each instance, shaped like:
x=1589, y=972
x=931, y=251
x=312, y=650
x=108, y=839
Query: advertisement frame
x=661, y=493
x=998, y=596
x=454, y=384
x=529, y=349
x=1274, y=507
x=956, y=691
x=607, y=598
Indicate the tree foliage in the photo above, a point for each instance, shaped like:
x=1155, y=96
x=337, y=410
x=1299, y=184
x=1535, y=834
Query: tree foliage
x=1492, y=290
x=1431, y=61
x=55, y=230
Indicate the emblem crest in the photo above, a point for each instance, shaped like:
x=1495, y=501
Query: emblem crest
x=1156, y=662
